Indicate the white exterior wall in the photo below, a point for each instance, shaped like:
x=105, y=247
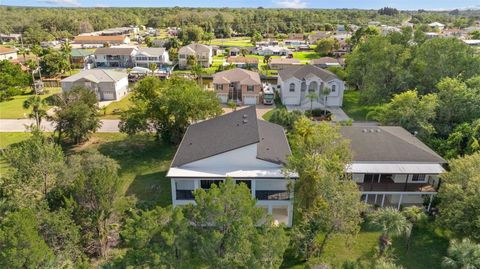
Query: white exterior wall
x=296, y=98
x=8, y=56
x=121, y=88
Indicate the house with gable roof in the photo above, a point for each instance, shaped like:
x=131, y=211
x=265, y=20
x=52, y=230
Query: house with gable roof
x=240, y=85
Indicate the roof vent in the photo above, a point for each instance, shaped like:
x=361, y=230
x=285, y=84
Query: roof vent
x=245, y=116
x=267, y=148
x=364, y=131
x=245, y=121
x=371, y=130
x=378, y=130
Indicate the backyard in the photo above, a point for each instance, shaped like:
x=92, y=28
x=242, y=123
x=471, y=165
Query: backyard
x=144, y=163
x=353, y=107
x=13, y=109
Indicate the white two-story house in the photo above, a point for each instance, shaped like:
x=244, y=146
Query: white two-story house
x=203, y=55
x=392, y=167
x=238, y=146
x=147, y=56
x=122, y=57
x=297, y=82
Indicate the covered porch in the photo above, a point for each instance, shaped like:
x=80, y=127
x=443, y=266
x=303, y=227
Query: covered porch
x=398, y=199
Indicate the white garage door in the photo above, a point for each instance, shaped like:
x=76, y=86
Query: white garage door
x=223, y=97
x=108, y=96
x=250, y=100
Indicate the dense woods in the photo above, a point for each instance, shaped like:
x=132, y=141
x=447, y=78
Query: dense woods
x=38, y=24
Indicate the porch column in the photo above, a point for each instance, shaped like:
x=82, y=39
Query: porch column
x=270, y=209
x=253, y=187
x=196, y=184
x=400, y=201
x=366, y=198
x=174, y=191
x=290, y=215
x=375, y=198
x=430, y=203
x=383, y=199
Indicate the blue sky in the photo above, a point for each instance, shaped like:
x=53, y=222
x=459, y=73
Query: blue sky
x=363, y=4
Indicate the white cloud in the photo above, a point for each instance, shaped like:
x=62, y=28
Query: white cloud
x=291, y=4
x=60, y=2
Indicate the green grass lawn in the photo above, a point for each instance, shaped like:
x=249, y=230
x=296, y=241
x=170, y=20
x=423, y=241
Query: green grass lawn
x=232, y=42
x=13, y=109
x=353, y=107
x=113, y=110
x=305, y=55
x=144, y=163
x=428, y=244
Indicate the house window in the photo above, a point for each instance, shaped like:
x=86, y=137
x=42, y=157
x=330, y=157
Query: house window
x=303, y=87
x=182, y=56
x=246, y=182
x=334, y=88
x=322, y=85
x=249, y=88
x=418, y=177
x=292, y=87
x=313, y=86
x=206, y=184
x=218, y=87
x=152, y=58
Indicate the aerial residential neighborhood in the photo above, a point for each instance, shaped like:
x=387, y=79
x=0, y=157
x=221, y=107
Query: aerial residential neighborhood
x=282, y=134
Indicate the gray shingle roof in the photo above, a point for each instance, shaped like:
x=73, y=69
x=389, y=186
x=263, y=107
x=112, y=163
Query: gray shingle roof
x=97, y=75
x=152, y=51
x=232, y=131
x=387, y=144
x=302, y=71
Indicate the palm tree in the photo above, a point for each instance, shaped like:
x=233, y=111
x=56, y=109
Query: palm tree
x=23, y=51
x=197, y=71
x=325, y=92
x=243, y=51
x=152, y=67
x=67, y=50
x=463, y=254
x=392, y=223
x=311, y=96
x=266, y=60
x=38, y=106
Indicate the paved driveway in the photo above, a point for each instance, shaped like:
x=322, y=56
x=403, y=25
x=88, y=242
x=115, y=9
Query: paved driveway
x=19, y=125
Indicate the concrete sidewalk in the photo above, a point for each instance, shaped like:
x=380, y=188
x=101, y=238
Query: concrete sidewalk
x=19, y=125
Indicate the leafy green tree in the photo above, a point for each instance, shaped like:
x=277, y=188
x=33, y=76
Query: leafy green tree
x=168, y=107
x=410, y=111
x=153, y=67
x=362, y=34
x=285, y=118
x=457, y=103
x=464, y=140
x=231, y=232
x=462, y=255
x=158, y=238
x=77, y=114
x=208, y=36
x=66, y=49
x=378, y=68
x=13, y=79
x=54, y=63
x=475, y=34
x=392, y=223
x=21, y=245
x=326, y=46
x=191, y=33
x=97, y=193
x=37, y=163
x=38, y=106
x=327, y=202
x=256, y=37
x=438, y=58
x=459, y=199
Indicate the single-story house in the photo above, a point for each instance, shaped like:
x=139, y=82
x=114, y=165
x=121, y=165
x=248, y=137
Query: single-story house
x=243, y=62
x=240, y=85
x=109, y=85
x=326, y=62
x=437, y=25
x=246, y=149
x=297, y=82
x=281, y=63
x=274, y=51
x=8, y=53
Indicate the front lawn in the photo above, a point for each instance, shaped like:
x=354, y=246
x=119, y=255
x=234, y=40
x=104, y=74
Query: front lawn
x=114, y=109
x=353, y=107
x=144, y=163
x=13, y=109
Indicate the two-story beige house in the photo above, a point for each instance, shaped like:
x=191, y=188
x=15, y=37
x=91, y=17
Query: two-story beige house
x=240, y=85
x=203, y=55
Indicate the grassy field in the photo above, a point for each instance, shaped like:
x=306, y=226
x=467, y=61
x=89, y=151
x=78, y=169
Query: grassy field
x=232, y=42
x=353, y=107
x=13, y=109
x=113, y=110
x=306, y=55
x=144, y=163
x=428, y=244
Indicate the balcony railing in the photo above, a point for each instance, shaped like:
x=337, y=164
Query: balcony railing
x=272, y=195
x=413, y=187
x=184, y=195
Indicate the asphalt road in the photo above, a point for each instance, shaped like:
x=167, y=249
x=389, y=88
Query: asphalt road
x=19, y=125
